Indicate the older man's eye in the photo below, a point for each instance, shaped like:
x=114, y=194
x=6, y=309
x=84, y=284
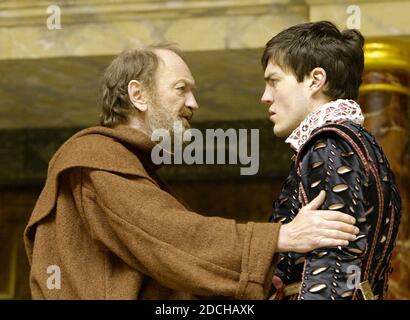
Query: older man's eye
x=181, y=88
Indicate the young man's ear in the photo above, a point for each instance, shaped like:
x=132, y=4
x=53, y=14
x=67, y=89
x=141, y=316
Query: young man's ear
x=317, y=79
x=135, y=95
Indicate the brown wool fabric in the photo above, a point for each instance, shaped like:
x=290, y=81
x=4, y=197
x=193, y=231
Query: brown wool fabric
x=116, y=232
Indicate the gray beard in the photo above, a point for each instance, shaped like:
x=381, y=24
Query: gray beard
x=159, y=118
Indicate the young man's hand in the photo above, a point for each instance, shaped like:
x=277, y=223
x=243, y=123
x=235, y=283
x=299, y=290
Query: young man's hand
x=312, y=229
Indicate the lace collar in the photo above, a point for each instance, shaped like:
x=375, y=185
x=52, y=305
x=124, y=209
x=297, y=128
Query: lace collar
x=332, y=112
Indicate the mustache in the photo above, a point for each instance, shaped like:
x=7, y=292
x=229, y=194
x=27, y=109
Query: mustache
x=186, y=113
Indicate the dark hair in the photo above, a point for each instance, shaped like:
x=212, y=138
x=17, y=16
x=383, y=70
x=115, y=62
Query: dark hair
x=303, y=47
x=137, y=64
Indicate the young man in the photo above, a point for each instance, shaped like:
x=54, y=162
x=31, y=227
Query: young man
x=313, y=73
x=106, y=227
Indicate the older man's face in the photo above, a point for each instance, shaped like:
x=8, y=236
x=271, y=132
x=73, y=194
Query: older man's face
x=172, y=99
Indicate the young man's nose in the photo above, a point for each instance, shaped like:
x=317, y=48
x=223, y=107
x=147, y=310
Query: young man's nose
x=267, y=98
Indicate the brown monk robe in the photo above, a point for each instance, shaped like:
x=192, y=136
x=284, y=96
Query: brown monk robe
x=115, y=232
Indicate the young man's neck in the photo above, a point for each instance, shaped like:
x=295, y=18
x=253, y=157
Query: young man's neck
x=317, y=103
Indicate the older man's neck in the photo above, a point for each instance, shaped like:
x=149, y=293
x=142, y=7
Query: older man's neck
x=140, y=125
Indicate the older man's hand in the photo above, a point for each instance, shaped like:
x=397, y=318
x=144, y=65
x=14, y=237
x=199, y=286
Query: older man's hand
x=312, y=229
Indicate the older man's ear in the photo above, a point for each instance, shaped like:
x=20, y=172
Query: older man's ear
x=135, y=95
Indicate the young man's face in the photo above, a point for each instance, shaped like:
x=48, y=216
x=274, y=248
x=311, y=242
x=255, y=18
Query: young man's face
x=173, y=98
x=287, y=99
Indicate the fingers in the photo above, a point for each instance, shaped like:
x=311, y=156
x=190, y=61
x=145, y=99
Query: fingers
x=341, y=226
x=326, y=242
x=316, y=202
x=337, y=216
x=338, y=235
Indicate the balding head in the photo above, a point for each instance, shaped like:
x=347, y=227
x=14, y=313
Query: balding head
x=137, y=64
x=173, y=99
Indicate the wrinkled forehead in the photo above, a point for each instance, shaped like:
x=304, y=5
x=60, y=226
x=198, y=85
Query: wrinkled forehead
x=172, y=64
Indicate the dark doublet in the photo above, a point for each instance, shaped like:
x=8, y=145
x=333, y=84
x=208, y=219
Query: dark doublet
x=346, y=161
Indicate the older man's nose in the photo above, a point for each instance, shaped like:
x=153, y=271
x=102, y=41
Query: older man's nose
x=191, y=101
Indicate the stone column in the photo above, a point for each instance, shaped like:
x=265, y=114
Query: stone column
x=385, y=99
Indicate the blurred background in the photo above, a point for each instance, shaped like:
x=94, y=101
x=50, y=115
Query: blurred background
x=52, y=54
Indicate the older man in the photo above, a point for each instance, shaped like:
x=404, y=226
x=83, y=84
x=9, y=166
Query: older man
x=106, y=227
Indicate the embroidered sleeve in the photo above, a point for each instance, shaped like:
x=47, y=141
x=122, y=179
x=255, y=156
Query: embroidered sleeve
x=331, y=164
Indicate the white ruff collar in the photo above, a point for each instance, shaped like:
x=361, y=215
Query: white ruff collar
x=331, y=112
